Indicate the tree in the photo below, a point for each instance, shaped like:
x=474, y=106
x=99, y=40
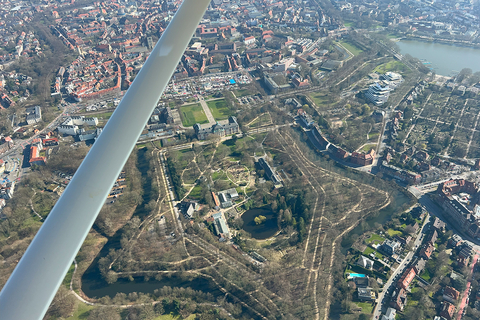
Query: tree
x=63, y=304
x=104, y=313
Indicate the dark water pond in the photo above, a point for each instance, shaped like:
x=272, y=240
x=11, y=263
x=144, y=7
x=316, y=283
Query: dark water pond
x=93, y=286
x=261, y=231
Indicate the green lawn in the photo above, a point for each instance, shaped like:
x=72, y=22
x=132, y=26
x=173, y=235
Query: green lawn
x=393, y=65
x=220, y=110
x=243, y=93
x=319, y=98
x=369, y=250
x=352, y=48
x=82, y=311
x=425, y=275
x=375, y=238
x=196, y=193
x=192, y=114
x=393, y=233
x=102, y=116
x=367, y=307
x=366, y=148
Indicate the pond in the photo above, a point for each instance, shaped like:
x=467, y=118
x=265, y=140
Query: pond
x=95, y=287
x=261, y=231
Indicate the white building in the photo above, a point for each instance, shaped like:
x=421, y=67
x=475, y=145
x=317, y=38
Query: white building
x=34, y=115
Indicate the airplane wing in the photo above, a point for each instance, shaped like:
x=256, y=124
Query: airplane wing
x=37, y=277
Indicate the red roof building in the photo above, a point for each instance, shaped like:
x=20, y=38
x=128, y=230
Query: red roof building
x=427, y=251
x=407, y=278
x=447, y=310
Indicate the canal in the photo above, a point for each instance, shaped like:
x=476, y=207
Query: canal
x=444, y=59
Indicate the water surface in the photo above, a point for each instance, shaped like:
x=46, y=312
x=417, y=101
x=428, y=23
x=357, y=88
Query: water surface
x=444, y=59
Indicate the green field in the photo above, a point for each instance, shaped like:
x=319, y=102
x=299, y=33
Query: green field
x=352, y=48
x=367, y=307
x=219, y=108
x=192, y=114
x=395, y=66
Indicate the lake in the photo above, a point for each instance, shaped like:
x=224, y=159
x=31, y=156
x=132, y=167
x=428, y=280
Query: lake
x=261, y=231
x=444, y=59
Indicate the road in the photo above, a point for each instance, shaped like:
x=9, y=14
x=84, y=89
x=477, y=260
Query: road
x=393, y=278
x=467, y=290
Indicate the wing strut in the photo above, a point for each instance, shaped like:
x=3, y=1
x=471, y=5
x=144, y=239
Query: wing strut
x=37, y=277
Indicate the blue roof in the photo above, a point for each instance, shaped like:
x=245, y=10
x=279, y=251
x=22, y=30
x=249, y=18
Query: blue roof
x=232, y=81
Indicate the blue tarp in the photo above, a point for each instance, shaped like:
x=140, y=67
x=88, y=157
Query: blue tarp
x=232, y=81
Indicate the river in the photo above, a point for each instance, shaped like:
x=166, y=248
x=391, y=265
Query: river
x=444, y=59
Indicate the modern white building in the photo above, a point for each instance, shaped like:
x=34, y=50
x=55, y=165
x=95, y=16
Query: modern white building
x=377, y=94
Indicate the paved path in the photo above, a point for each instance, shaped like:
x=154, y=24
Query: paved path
x=208, y=113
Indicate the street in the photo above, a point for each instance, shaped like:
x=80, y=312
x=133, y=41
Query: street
x=394, y=277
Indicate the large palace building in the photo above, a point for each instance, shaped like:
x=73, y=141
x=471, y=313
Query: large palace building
x=460, y=199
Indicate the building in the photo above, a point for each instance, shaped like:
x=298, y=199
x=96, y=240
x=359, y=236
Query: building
x=227, y=197
x=219, y=129
x=447, y=310
x=399, y=299
x=366, y=294
x=390, y=314
x=270, y=173
x=419, y=265
x=188, y=208
x=407, y=278
x=363, y=159
x=450, y=294
x=34, y=115
x=390, y=247
x=364, y=262
x=377, y=94
x=460, y=199
x=427, y=251
x=221, y=227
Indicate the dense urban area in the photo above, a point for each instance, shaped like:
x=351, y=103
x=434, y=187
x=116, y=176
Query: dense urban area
x=299, y=164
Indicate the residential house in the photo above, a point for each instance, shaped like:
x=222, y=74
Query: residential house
x=399, y=299
x=390, y=314
x=406, y=278
x=447, y=310
x=390, y=247
x=450, y=294
x=455, y=240
x=427, y=251
x=366, y=294
x=364, y=262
